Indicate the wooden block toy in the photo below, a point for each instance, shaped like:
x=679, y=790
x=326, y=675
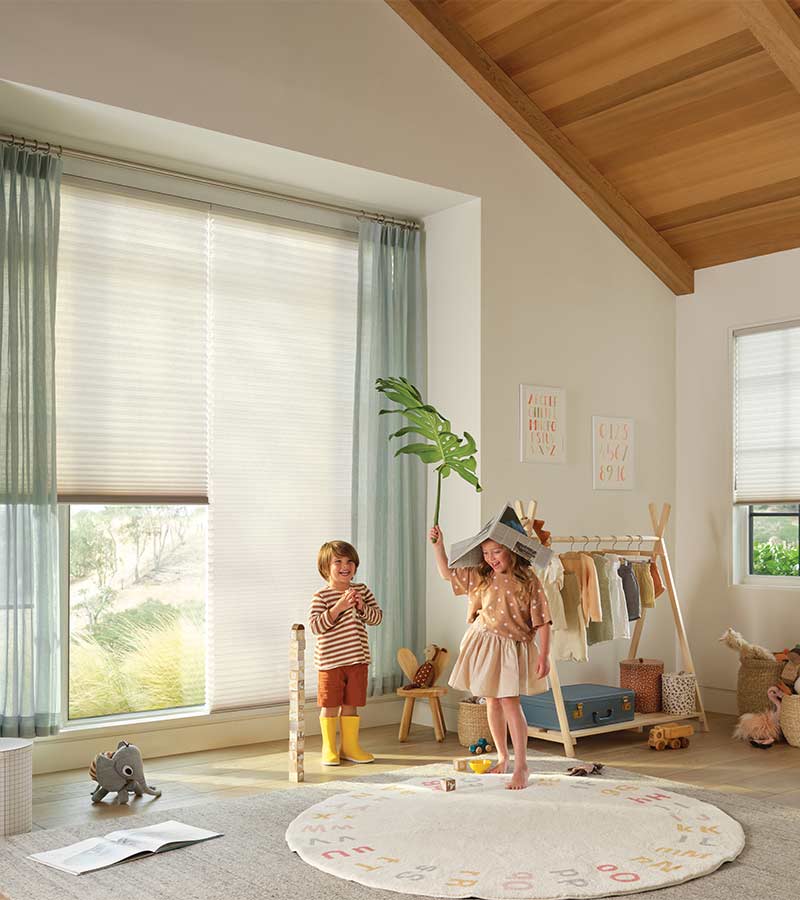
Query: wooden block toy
x=461, y=763
x=297, y=703
x=448, y=784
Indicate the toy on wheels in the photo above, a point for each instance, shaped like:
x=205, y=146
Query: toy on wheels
x=672, y=736
x=480, y=746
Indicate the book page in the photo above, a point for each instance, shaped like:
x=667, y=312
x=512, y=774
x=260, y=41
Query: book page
x=153, y=838
x=85, y=856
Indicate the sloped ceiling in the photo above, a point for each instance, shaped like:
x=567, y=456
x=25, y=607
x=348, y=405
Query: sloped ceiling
x=677, y=122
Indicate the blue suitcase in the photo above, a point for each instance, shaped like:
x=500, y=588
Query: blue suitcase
x=587, y=705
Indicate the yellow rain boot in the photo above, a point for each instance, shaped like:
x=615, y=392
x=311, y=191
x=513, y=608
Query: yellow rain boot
x=350, y=746
x=327, y=726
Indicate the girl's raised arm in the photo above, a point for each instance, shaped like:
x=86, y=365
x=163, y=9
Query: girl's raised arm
x=440, y=554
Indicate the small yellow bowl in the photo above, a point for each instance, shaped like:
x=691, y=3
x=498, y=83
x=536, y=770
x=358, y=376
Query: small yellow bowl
x=480, y=765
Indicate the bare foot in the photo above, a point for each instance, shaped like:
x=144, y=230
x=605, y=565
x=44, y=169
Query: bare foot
x=499, y=768
x=519, y=779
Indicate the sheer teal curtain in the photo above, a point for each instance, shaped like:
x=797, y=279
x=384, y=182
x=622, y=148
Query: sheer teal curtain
x=389, y=493
x=29, y=585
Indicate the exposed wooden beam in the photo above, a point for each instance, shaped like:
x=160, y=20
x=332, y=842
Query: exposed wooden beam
x=530, y=124
x=777, y=28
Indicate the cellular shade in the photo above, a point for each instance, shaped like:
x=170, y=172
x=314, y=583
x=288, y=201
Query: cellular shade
x=767, y=424
x=283, y=370
x=131, y=346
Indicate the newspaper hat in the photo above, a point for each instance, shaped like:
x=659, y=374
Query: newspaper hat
x=506, y=529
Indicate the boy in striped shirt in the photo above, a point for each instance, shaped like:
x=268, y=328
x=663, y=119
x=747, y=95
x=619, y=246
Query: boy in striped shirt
x=339, y=615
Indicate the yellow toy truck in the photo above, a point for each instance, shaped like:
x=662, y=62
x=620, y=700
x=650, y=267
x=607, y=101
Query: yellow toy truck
x=671, y=735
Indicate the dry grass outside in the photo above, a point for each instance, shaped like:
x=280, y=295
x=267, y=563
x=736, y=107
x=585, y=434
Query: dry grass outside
x=165, y=669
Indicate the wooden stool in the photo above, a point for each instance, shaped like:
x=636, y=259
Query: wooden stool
x=409, y=665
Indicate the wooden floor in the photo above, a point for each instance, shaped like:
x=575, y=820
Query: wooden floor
x=713, y=760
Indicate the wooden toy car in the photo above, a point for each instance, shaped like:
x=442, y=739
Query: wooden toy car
x=671, y=735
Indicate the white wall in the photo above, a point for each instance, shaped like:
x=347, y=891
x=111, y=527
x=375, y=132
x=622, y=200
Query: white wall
x=736, y=295
x=453, y=257
x=563, y=302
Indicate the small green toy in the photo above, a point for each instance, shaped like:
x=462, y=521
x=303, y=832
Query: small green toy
x=481, y=746
x=451, y=452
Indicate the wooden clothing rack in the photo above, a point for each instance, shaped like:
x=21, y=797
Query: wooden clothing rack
x=658, y=551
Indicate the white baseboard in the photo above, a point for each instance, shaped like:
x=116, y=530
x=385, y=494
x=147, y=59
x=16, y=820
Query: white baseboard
x=76, y=748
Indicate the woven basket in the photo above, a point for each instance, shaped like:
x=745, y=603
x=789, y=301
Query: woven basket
x=790, y=719
x=755, y=677
x=473, y=723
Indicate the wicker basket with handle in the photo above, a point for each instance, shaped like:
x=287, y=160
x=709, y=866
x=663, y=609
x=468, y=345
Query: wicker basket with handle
x=790, y=719
x=756, y=676
x=643, y=676
x=473, y=723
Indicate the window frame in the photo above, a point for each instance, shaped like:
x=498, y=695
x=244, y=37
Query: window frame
x=741, y=542
x=147, y=715
x=742, y=554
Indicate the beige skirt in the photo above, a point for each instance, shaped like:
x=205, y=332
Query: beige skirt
x=492, y=666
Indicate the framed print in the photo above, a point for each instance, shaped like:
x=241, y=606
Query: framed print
x=613, y=460
x=542, y=421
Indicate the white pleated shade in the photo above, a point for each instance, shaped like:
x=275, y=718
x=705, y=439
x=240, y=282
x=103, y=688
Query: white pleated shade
x=131, y=347
x=767, y=424
x=283, y=358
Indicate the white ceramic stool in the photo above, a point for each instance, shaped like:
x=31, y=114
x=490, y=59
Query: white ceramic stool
x=16, y=785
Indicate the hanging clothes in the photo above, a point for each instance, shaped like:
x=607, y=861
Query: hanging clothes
x=552, y=579
x=619, y=609
x=601, y=631
x=582, y=565
x=658, y=584
x=569, y=643
x=631, y=589
x=647, y=590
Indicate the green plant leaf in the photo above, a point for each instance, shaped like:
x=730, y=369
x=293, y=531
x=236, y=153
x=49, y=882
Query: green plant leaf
x=454, y=453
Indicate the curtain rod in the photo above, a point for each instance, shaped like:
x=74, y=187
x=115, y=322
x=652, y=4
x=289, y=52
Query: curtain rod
x=48, y=147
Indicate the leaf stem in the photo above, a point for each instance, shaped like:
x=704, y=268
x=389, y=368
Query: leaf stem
x=438, y=498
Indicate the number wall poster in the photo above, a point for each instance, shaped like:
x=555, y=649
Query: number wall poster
x=613, y=458
x=543, y=423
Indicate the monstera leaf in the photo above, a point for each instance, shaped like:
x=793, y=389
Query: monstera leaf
x=441, y=447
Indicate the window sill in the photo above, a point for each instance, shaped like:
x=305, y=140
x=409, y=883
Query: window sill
x=769, y=582
x=188, y=719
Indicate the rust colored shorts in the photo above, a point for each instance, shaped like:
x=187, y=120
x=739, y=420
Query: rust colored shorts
x=343, y=686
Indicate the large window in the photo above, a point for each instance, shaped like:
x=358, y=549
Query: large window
x=205, y=375
x=767, y=452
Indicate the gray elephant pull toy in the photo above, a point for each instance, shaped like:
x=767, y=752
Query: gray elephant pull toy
x=121, y=771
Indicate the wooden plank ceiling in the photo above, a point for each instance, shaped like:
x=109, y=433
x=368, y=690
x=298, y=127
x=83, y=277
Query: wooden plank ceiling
x=676, y=121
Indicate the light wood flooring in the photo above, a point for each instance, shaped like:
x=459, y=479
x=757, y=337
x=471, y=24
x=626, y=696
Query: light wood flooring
x=713, y=760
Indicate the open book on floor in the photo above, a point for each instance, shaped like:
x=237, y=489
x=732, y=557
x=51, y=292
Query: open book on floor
x=122, y=846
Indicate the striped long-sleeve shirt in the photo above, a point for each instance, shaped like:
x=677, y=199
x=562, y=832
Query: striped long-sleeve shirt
x=343, y=642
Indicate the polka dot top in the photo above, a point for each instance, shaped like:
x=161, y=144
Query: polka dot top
x=505, y=605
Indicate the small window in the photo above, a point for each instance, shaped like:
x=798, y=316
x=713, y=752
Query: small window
x=773, y=539
x=137, y=609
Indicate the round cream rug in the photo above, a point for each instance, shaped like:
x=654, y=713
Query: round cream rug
x=563, y=837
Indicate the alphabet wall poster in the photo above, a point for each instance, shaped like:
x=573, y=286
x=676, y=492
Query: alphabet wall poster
x=543, y=424
x=613, y=458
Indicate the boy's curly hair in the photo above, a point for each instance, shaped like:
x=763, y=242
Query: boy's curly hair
x=329, y=550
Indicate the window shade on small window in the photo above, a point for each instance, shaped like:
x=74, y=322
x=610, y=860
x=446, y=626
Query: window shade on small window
x=131, y=346
x=767, y=424
x=283, y=363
